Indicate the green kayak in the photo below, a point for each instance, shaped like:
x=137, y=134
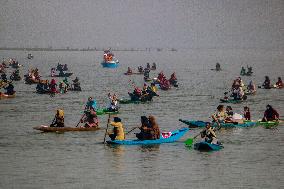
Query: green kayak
x=104, y=111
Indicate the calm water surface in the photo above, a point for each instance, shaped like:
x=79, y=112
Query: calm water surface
x=252, y=158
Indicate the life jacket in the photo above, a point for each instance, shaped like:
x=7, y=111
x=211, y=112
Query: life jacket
x=60, y=116
x=118, y=130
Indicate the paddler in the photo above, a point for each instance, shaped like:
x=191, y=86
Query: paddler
x=279, y=83
x=52, y=72
x=113, y=106
x=58, y=120
x=76, y=84
x=251, y=87
x=146, y=73
x=247, y=113
x=173, y=79
x=144, y=89
x=65, y=80
x=118, y=130
x=270, y=114
x=53, y=86
x=153, y=88
x=220, y=115
x=218, y=66
x=154, y=66
x=90, y=118
x=243, y=71
x=266, y=83
x=209, y=134
x=148, y=65
x=149, y=129
x=4, y=77
x=92, y=103
x=9, y=89
x=129, y=70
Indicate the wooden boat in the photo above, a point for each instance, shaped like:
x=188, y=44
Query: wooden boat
x=3, y=95
x=167, y=137
x=45, y=128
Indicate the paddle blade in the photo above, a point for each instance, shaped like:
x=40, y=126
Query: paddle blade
x=188, y=142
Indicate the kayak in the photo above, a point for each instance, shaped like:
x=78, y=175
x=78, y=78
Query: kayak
x=128, y=101
x=3, y=95
x=205, y=146
x=147, y=79
x=104, y=111
x=133, y=73
x=166, y=137
x=231, y=101
x=110, y=64
x=200, y=124
x=45, y=128
x=269, y=124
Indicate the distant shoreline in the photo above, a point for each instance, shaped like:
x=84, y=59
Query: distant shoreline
x=84, y=49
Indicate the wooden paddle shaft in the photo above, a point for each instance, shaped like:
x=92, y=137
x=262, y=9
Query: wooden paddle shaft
x=108, y=120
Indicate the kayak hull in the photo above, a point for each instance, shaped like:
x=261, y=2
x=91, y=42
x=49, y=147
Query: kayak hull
x=110, y=64
x=45, y=128
x=64, y=75
x=105, y=111
x=175, y=135
x=205, y=146
x=2, y=95
x=201, y=124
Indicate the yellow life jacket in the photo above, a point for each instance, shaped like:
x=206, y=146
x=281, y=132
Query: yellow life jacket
x=118, y=128
x=60, y=115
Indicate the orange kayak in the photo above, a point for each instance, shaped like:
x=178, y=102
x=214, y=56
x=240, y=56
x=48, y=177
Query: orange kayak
x=45, y=128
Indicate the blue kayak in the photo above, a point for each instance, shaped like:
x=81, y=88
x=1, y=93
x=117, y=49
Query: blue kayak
x=164, y=138
x=197, y=124
x=205, y=146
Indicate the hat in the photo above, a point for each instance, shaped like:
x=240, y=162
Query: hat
x=116, y=119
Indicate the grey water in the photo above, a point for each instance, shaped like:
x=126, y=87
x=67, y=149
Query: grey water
x=251, y=158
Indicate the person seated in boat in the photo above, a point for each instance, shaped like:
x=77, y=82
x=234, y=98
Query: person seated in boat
x=209, y=134
x=129, y=70
x=62, y=87
x=46, y=85
x=36, y=74
x=153, y=88
x=92, y=103
x=279, y=83
x=58, y=120
x=76, y=84
x=65, y=80
x=113, y=106
x=65, y=67
x=137, y=93
x=154, y=66
x=53, y=86
x=61, y=73
x=251, y=87
x=140, y=69
x=148, y=66
x=243, y=71
x=218, y=66
x=247, y=113
x=220, y=115
x=270, y=114
x=40, y=87
x=165, y=84
x=266, y=83
x=161, y=77
x=144, y=129
x=9, y=89
x=238, y=93
x=173, y=79
x=90, y=118
x=229, y=111
x=145, y=89
x=118, y=130
x=146, y=73
x=4, y=77
x=249, y=70
x=52, y=72
x=149, y=129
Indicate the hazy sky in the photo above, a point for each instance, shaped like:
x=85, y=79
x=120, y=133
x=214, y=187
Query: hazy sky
x=142, y=23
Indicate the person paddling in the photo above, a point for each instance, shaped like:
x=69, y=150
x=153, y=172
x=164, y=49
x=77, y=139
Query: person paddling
x=220, y=115
x=279, y=83
x=9, y=89
x=266, y=83
x=90, y=118
x=209, y=134
x=149, y=129
x=270, y=114
x=92, y=103
x=53, y=87
x=76, y=84
x=118, y=130
x=129, y=70
x=58, y=120
x=247, y=113
x=113, y=106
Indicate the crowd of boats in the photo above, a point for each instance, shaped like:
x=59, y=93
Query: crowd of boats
x=149, y=130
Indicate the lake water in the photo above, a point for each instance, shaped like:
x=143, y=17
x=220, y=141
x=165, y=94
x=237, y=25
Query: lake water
x=251, y=158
